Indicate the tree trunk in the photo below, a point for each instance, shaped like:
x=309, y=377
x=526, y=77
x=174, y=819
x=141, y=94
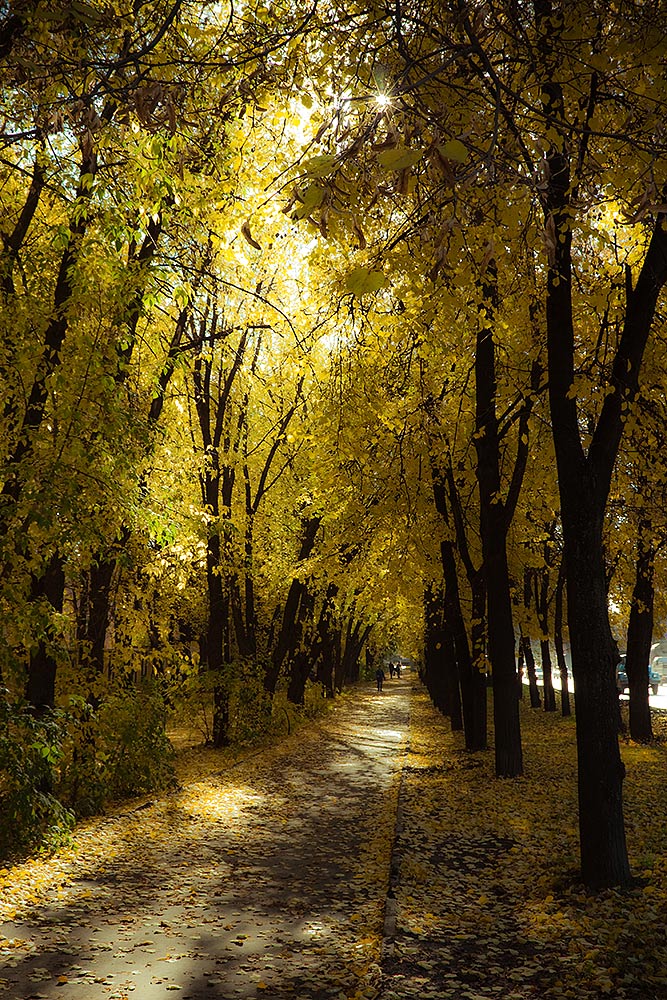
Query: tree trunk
x=640, y=635
x=42, y=665
x=217, y=641
x=453, y=687
x=300, y=658
x=493, y=529
x=533, y=689
x=355, y=637
x=471, y=681
x=285, y=645
x=479, y=668
x=478, y=718
x=558, y=642
x=549, y=693
x=603, y=849
x=469, y=678
x=542, y=608
x=584, y=477
x=434, y=667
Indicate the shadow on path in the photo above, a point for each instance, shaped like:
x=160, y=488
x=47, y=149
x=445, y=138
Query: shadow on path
x=268, y=882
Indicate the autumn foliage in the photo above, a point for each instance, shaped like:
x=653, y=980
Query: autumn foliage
x=326, y=336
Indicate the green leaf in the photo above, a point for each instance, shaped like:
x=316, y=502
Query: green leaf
x=399, y=158
x=363, y=279
x=312, y=198
x=454, y=150
x=317, y=166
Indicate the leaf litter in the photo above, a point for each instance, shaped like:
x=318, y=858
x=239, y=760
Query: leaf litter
x=269, y=878
x=266, y=878
x=489, y=902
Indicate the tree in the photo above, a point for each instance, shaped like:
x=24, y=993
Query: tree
x=551, y=147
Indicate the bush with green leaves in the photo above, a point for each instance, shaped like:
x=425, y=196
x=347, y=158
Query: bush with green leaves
x=137, y=755
x=31, y=751
x=116, y=750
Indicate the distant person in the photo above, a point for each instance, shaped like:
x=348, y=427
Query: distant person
x=398, y=669
x=379, y=678
x=391, y=670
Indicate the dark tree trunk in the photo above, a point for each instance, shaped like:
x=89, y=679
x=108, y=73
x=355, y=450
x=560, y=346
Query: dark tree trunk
x=493, y=530
x=13, y=243
x=300, y=658
x=602, y=834
x=549, y=693
x=469, y=677
x=533, y=689
x=217, y=641
x=434, y=654
x=479, y=667
x=558, y=642
x=452, y=684
x=42, y=666
x=471, y=681
x=285, y=643
x=640, y=636
x=299, y=670
x=542, y=608
x=355, y=637
x=604, y=858
x=478, y=678
x=329, y=641
x=329, y=660
x=441, y=671
x=220, y=735
x=245, y=635
x=584, y=476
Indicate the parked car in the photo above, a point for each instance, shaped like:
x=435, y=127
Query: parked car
x=654, y=677
x=659, y=665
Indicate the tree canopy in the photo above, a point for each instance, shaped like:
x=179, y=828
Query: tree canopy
x=329, y=335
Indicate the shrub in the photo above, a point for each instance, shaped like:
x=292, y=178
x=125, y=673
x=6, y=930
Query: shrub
x=31, y=750
x=137, y=755
x=118, y=750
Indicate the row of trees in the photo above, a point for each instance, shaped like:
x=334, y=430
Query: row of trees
x=322, y=331
x=526, y=146
x=168, y=511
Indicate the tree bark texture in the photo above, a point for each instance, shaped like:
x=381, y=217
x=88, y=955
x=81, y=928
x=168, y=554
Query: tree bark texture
x=529, y=660
x=493, y=530
x=640, y=635
x=285, y=642
x=566, y=708
x=42, y=665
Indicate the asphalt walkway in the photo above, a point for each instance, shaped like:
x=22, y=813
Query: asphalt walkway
x=269, y=880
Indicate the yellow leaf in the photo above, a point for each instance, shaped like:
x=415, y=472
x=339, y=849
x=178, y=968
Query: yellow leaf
x=399, y=158
x=454, y=150
x=363, y=279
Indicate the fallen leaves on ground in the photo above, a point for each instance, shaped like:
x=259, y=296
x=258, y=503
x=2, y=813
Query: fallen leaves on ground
x=267, y=877
x=489, y=902
x=262, y=876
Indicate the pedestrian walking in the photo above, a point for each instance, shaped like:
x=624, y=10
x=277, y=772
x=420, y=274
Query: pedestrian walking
x=379, y=678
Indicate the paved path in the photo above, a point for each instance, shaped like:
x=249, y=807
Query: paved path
x=269, y=880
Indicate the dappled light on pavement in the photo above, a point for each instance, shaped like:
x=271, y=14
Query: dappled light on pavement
x=269, y=880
